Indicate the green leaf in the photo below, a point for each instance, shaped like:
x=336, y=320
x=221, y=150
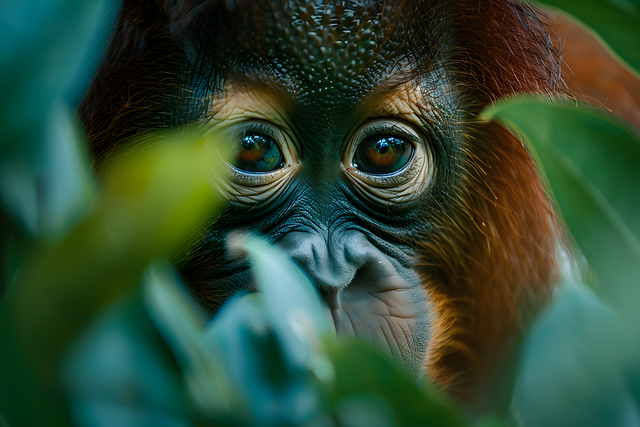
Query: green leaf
x=261, y=360
x=119, y=372
x=291, y=304
x=577, y=365
x=44, y=43
x=152, y=197
x=615, y=22
x=181, y=324
x=361, y=370
x=47, y=190
x=591, y=161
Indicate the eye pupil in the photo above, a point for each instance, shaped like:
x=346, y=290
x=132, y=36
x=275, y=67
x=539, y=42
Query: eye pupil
x=248, y=142
x=382, y=145
x=381, y=154
x=257, y=153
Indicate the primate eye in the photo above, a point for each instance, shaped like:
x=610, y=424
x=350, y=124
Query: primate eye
x=388, y=160
x=260, y=160
x=382, y=154
x=257, y=153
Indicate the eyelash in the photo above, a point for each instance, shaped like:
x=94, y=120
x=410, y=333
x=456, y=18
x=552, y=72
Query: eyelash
x=387, y=129
x=260, y=129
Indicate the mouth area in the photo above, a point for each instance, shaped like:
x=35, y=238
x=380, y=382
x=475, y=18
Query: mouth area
x=397, y=321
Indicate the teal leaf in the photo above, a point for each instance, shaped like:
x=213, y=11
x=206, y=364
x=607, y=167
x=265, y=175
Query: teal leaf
x=44, y=43
x=261, y=360
x=119, y=372
x=273, y=340
x=49, y=189
x=616, y=23
x=181, y=324
x=577, y=364
x=292, y=305
x=363, y=372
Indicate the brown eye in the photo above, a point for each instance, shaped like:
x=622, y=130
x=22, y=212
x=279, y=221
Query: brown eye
x=382, y=154
x=257, y=153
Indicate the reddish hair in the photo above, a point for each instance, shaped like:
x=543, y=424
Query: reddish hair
x=492, y=262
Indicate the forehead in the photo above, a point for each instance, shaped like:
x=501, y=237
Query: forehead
x=407, y=102
x=327, y=54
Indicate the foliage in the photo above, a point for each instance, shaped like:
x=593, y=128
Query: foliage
x=97, y=329
x=583, y=353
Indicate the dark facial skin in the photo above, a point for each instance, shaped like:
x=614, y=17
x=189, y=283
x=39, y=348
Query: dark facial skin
x=343, y=140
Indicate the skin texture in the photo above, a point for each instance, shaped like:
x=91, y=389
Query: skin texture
x=440, y=263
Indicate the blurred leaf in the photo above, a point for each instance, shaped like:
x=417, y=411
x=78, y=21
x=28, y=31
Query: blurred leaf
x=119, y=372
x=579, y=363
x=365, y=410
x=176, y=317
x=151, y=200
x=592, y=162
x=492, y=421
x=46, y=190
x=93, y=53
x=291, y=304
x=576, y=366
x=268, y=357
x=616, y=22
x=43, y=45
x=260, y=361
x=295, y=321
x=360, y=370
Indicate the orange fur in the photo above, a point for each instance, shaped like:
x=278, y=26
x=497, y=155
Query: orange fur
x=492, y=262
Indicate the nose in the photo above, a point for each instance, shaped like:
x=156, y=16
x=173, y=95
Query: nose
x=331, y=263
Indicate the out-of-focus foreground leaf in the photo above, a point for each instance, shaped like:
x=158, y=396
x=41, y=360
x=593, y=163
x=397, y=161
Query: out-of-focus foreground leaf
x=366, y=388
x=270, y=358
x=43, y=44
x=582, y=353
x=579, y=367
x=48, y=188
x=371, y=390
x=151, y=199
x=120, y=373
x=260, y=361
x=43, y=175
x=616, y=22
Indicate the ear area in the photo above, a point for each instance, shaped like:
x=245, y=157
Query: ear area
x=504, y=48
x=492, y=263
x=132, y=83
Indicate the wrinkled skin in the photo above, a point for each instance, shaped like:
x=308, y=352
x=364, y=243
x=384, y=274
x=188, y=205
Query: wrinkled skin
x=353, y=233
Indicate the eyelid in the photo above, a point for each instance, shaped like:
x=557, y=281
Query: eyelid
x=250, y=127
x=394, y=129
x=249, y=189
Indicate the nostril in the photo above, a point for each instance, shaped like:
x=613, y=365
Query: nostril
x=324, y=262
